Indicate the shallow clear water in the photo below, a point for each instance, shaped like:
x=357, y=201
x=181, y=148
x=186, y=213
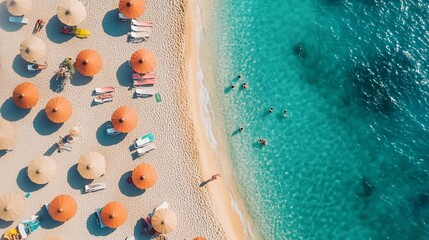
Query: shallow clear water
x=351, y=159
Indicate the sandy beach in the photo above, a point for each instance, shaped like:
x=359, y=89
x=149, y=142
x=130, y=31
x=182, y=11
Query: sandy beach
x=182, y=157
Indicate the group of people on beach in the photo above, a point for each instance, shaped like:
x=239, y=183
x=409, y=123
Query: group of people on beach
x=244, y=86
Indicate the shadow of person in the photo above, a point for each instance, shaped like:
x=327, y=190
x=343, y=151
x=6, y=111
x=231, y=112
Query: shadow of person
x=112, y=26
x=11, y=112
x=4, y=20
x=43, y=125
x=95, y=229
x=51, y=150
x=19, y=65
x=257, y=145
x=129, y=189
x=48, y=222
x=106, y=140
x=75, y=180
x=24, y=182
x=123, y=74
x=53, y=28
x=202, y=184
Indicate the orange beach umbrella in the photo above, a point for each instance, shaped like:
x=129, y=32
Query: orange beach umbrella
x=124, y=119
x=144, y=176
x=58, y=109
x=19, y=7
x=25, y=95
x=62, y=208
x=12, y=206
x=71, y=12
x=114, y=214
x=88, y=62
x=143, y=61
x=131, y=8
x=200, y=238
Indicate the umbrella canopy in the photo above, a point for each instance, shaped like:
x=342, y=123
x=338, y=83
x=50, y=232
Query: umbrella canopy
x=58, y=109
x=12, y=206
x=62, y=208
x=25, y=95
x=143, y=61
x=7, y=134
x=19, y=7
x=131, y=8
x=88, y=62
x=32, y=49
x=144, y=176
x=42, y=169
x=114, y=214
x=124, y=119
x=75, y=131
x=164, y=220
x=91, y=165
x=53, y=238
x=71, y=12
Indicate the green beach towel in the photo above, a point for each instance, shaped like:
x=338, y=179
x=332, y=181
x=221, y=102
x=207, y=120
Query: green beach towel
x=158, y=97
x=150, y=136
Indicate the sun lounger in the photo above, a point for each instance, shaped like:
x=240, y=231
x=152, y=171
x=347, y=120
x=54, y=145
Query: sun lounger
x=141, y=23
x=139, y=36
x=104, y=90
x=22, y=232
x=31, y=67
x=19, y=20
x=104, y=100
x=111, y=131
x=99, y=222
x=123, y=18
x=140, y=142
x=30, y=219
x=141, y=29
x=145, y=92
x=144, y=82
x=82, y=32
x=130, y=238
x=146, y=148
x=94, y=187
x=138, y=76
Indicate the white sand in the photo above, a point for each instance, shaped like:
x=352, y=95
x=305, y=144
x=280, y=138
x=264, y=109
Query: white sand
x=176, y=157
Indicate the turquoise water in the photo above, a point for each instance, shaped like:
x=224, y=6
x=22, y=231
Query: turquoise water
x=351, y=159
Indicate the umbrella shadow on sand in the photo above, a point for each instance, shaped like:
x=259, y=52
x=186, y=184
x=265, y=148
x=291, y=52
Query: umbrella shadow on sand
x=94, y=228
x=4, y=224
x=56, y=84
x=4, y=20
x=53, y=28
x=75, y=180
x=79, y=80
x=112, y=26
x=139, y=232
x=123, y=74
x=24, y=182
x=19, y=65
x=47, y=221
x=43, y=125
x=106, y=140
x=11, y=112
x=129, y=189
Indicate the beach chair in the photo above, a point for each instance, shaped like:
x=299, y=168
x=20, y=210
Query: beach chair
x=140, y=142
x=104, y=100
x=144, y=82
x=141, y=29
x=104, y=90
x=145, y=92
x=138, y=76
x=141, y=23
x=99, y=222
x=130, y=238
x=111, y=131
x=22, y=232
x=81, y=32
x=94, y=187
x=123, y=18
x=145, y=149
x=30, y=67
x=18, y=20
x=139, y=36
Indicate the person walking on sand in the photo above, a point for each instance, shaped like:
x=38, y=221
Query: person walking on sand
x=214, y=177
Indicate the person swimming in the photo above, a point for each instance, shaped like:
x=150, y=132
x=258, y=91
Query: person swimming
x=263, y=142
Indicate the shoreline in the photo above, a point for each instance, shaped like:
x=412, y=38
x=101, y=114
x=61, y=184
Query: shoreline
x=213, y=155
